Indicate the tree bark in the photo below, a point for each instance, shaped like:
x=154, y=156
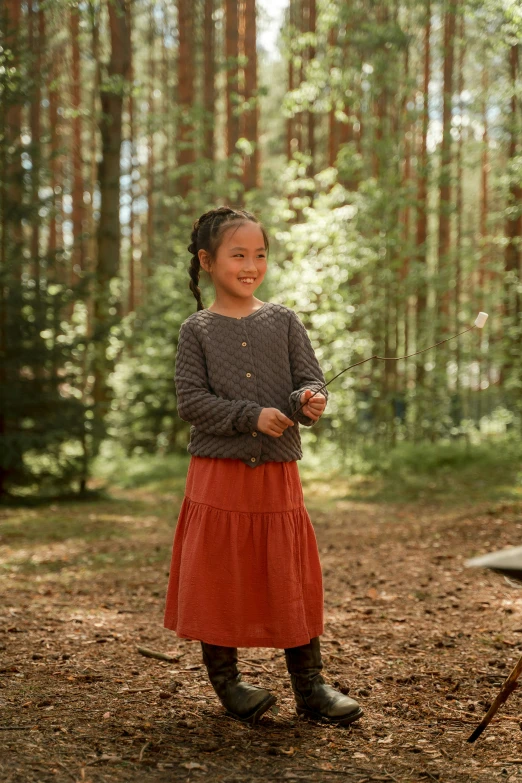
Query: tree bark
x=290, y=122
x=108, y=235
x=513, y=229
x=460, y=215
x=312, y=14
x=36, y=44
x=209, y=76
x=445, y=206
x=232, y=72
x=76, y=151
x=422, y=203
x=151, y=126
x=251, y=115
x=11, y=237
x=185, y=142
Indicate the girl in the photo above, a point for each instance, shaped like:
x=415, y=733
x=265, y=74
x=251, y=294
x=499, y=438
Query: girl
x=245, y=568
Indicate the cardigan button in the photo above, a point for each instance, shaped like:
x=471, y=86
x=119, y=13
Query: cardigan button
x=252, y=459
x=249, y=375
x=254, y=434
x=243, y=344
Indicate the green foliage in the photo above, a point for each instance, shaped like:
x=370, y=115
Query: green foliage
x=143, y=417
x=46, y=419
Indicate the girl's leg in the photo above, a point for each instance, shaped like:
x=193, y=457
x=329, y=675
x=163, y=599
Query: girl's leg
x=313, y=697
x=241, y=701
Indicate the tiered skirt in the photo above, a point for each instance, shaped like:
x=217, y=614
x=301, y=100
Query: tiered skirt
x=245, y=568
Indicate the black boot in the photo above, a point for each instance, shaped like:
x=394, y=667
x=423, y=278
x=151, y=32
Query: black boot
x=241, y=701
x=312, y=696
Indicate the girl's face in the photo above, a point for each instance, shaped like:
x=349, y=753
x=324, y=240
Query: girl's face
x=241, y=254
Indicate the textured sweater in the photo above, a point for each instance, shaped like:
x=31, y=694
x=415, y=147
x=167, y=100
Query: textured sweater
x=228, y=369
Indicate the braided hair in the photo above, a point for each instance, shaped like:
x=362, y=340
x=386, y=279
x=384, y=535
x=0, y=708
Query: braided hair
x=207, y=233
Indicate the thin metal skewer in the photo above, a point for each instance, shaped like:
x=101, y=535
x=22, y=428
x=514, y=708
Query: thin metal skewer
x=387, y=359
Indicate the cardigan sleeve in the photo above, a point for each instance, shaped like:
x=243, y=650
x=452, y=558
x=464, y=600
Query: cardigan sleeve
x=195, y=401
x=306, y=372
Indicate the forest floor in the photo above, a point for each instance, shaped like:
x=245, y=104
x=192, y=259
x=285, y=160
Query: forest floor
x=421, y=641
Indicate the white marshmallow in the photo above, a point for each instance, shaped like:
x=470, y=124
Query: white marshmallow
x=481, y=320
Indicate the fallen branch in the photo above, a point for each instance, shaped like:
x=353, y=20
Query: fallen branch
x=159, y=655
x=508, y=687
x=14, y=728
x=142, y=751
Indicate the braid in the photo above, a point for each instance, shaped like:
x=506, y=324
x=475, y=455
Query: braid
x=206, y=235
x=195, y=267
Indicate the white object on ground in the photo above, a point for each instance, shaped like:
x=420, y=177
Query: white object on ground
x=480, y=320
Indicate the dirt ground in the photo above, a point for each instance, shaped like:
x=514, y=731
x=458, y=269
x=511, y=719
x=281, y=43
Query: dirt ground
x=421, y=641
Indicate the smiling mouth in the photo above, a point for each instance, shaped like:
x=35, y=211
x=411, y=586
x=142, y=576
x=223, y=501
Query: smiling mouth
x=247, y=281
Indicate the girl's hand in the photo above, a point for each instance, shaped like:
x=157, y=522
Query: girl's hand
x=315, y=407
x=273, y=422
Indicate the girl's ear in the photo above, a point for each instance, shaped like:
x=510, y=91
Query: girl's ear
x=204, y=259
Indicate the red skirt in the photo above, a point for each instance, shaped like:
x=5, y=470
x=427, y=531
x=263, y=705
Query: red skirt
x=245, y=569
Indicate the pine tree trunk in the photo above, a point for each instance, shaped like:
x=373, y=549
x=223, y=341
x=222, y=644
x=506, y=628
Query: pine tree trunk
x=209, y=80
x=422, y=214
x=457, y=408
x=333, y=130
x=312, y=13
x=406, y=212
x=76, y=151
x=55, y=236
x=484, y=210
x=108, y=265
x=151, y=125
x=251, y=116
x=232, y=86
x=92, y=242
x=513, y=231
x=290, y=123
x=36, y=44
x=301, y=26
x=445, y=205
x=185, y=142
x=11, y=237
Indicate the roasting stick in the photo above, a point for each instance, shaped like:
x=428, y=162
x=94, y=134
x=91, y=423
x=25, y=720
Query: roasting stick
x=508, y=687
x=480, y=320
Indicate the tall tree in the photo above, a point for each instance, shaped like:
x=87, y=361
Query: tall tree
x=186, y=84
x=37, y=45
x=311, y=29
x=209, y=80
x=459, y=216
x=10, y=197
x=76, y=149
x=445, y=205
x=290, y=122
x=250, y=115
x=151, y=133
x=106, y=305
x=232, y=75
x=513, y=229
x=422, y=200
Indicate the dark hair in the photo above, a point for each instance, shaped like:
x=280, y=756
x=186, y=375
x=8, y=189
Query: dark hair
x=207, y=233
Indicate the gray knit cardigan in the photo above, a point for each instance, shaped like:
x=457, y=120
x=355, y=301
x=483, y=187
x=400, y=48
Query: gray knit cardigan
x=228, y=369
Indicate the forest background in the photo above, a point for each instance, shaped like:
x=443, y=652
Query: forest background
x=379, y=142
